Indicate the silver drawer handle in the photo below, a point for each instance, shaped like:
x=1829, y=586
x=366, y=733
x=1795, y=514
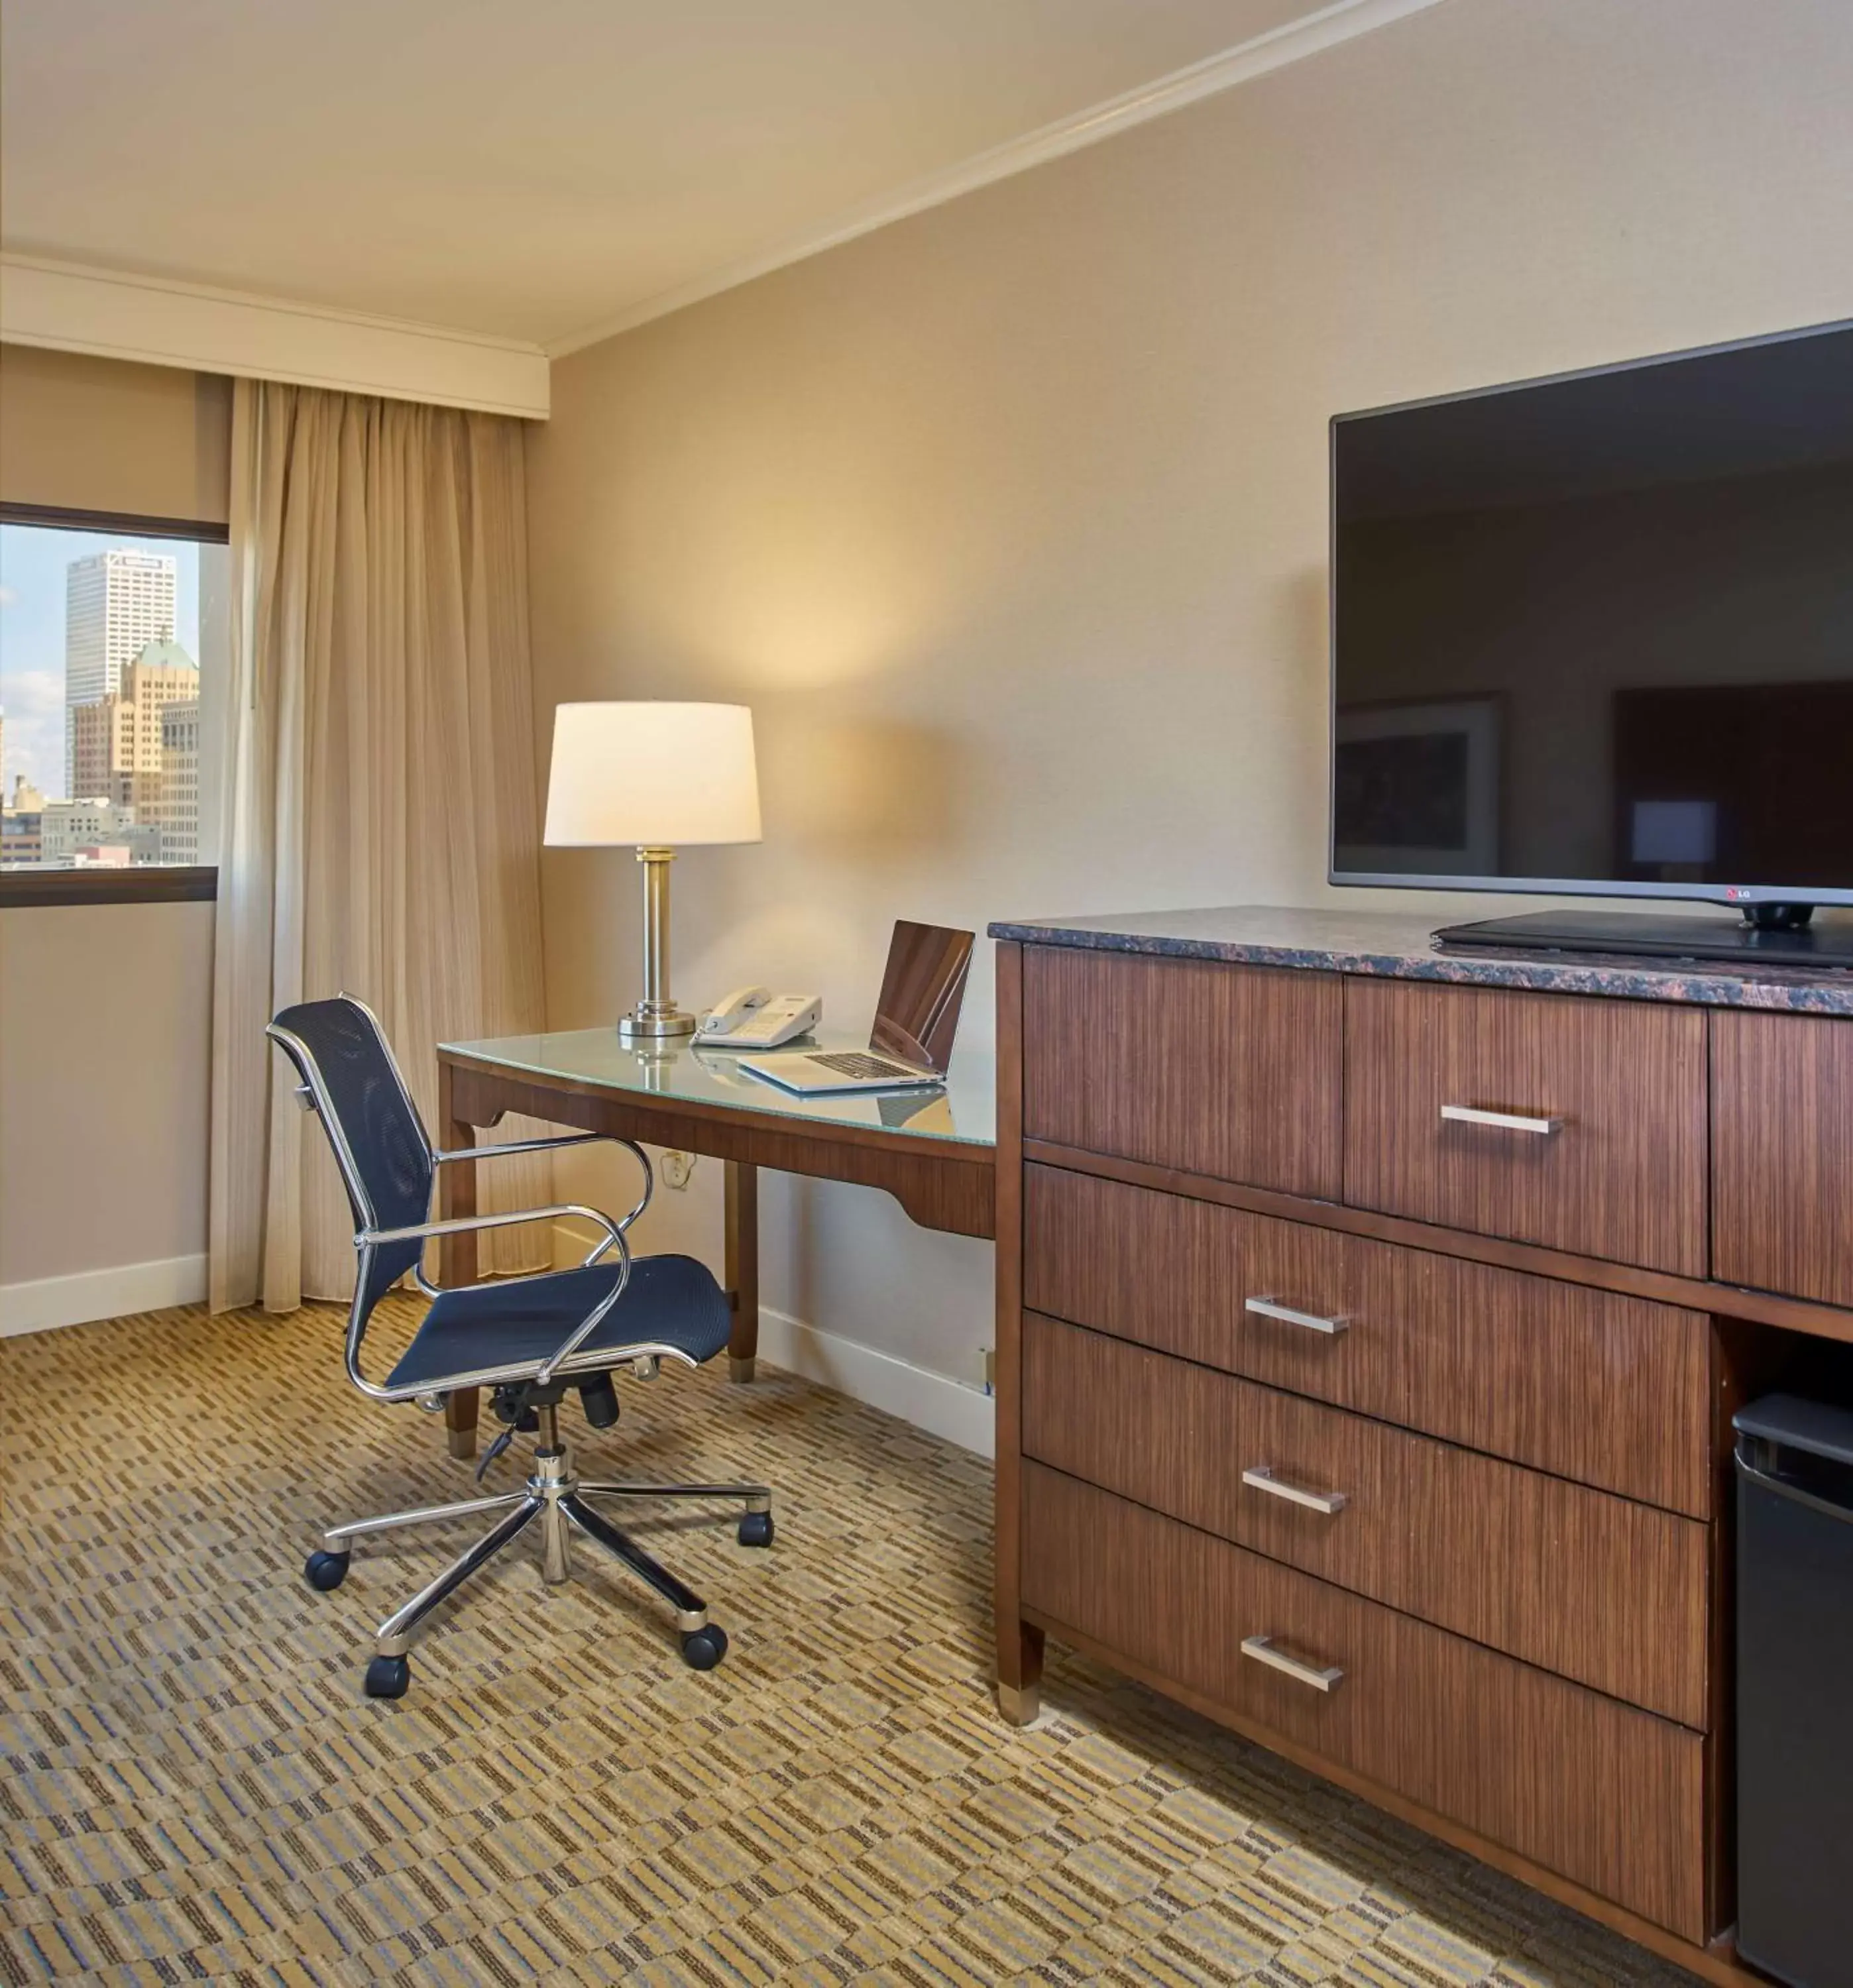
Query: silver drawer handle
x=1262, y=1649
x=1312, y=1320
x=1506, y=1121
x=1262, y=1478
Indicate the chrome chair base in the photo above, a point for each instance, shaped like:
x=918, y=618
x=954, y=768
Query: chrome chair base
x=556, y=1499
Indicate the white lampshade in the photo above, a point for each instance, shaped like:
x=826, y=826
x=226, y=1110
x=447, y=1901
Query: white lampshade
x=652, y=774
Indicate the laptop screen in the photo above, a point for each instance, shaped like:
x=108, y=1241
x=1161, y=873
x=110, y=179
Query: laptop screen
x=917, y=1015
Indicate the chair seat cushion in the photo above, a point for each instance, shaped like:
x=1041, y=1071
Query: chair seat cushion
x=672, y=1300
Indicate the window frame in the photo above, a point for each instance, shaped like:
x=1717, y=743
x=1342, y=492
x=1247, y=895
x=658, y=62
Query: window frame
x=138, y=883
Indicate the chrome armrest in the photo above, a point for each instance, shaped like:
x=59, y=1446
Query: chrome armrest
x=458, y=1225
x=554, y=1144
x=524, y=1146
x=583, y=1331
x=463, y=1224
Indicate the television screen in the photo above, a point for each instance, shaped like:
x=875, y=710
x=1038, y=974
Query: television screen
x=1596, y=633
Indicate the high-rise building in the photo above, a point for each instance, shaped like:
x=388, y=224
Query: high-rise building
x=179, y=810
x=116, y=748
x=94, y=735
x=115, y=604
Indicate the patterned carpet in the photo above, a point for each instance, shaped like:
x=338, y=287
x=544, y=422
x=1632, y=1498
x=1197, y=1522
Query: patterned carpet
x=192, y=1786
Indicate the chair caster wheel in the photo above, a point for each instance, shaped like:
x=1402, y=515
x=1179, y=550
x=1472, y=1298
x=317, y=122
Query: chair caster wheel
x=386, y=1677
x=325, y=1569
x=703, y=1648
x=755, y=1530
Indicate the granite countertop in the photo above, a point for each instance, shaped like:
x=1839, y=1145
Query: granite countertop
x=1395, y=946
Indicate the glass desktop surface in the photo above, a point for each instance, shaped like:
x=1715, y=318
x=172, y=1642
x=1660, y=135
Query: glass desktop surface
x=964, y=1109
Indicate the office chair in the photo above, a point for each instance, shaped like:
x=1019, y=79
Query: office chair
x=527, y=1338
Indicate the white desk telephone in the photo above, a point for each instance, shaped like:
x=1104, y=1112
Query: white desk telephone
x=755, y=1018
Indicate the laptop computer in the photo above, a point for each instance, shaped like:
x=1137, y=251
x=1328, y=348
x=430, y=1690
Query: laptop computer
x=916, y=1018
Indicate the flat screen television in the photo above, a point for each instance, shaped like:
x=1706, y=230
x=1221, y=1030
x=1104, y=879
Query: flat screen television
x=1594, y=635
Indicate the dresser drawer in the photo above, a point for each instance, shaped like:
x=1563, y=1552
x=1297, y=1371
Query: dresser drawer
x=1612, y=1798
x=1580, y=1582
x=1782, y=1154
x=1592, y=1136
x=1226, y=1071
x=1610, y=1391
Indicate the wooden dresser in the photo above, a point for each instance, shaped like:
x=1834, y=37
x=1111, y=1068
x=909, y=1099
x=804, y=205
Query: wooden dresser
x=1369, y=1328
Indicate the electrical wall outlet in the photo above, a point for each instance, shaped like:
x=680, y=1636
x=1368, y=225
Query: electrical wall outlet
x=675, y=1169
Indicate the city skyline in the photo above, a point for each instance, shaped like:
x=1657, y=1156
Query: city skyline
x=35, y=564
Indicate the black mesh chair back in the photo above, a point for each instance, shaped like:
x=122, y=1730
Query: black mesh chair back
x=386, y=1160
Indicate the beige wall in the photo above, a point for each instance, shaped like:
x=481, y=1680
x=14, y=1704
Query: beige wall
x=97, y=435
x=105, y=1010
x=106, y=1015
x=1009, y=520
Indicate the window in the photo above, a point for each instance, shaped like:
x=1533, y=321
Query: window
x=113, y=637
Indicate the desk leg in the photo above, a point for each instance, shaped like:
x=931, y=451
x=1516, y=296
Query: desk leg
x=456, y=1254
x=741, y=1196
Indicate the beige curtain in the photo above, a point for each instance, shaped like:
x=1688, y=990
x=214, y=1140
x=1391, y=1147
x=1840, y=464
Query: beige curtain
x=379, y=825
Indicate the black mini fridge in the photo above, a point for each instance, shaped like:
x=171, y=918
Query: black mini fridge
x=1795, y=1691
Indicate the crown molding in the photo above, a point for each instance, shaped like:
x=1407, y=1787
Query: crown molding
x=155, y=321
x=159, y=321
x=1342, y=20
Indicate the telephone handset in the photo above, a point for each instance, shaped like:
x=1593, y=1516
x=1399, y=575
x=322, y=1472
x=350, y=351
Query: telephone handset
x=727, y=1013
x=755, y=1018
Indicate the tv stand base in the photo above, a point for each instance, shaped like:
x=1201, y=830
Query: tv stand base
x=1769, y=935
x=1778, y=918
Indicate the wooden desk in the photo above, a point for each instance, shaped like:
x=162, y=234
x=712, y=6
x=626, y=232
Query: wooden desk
x=934, y=1152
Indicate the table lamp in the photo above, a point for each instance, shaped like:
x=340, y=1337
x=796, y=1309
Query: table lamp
x=653, y=775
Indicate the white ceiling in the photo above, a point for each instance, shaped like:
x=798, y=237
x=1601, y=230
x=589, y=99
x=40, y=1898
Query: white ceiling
x=534, y=170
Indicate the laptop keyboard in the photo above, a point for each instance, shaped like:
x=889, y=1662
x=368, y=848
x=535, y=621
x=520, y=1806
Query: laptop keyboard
x=853, y=1063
